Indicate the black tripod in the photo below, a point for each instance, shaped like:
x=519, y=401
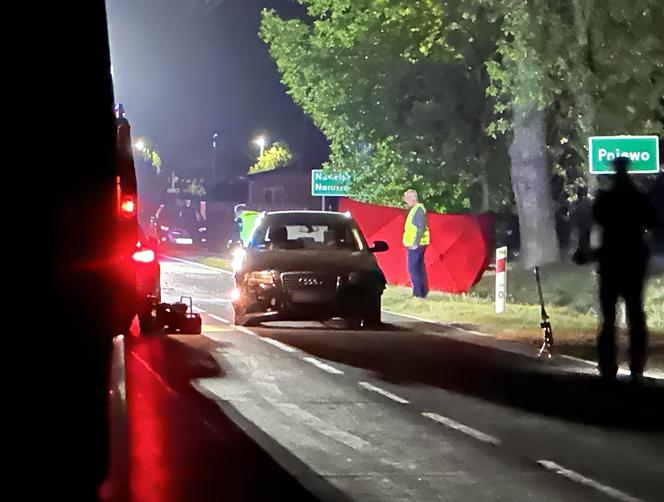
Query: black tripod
x=547, y=332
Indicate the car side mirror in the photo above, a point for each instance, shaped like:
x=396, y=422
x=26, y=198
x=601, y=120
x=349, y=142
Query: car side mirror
x=379, y=247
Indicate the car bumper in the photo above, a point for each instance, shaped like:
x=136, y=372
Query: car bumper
x=277, y=303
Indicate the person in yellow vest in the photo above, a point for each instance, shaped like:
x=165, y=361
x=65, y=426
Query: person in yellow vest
x=416, y=238
x=243, y=224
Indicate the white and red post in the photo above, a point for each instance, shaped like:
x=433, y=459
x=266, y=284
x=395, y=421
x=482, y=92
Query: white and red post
x=501, y=279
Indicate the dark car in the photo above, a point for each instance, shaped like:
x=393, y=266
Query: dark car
x=179, y=228
x=306, y=265
x=169, y=229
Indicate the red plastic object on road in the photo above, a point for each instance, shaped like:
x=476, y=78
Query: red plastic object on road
x=459, y=253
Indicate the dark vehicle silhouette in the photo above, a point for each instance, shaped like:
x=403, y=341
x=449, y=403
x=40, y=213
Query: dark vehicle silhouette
x=305, y=265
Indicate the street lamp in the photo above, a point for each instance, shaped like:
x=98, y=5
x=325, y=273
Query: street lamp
x=261, y=141
x=139, y=144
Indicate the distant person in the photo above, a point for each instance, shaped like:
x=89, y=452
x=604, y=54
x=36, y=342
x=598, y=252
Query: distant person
x=243, y=224
x=416, y=239
x=624, y=213
x=237, y=223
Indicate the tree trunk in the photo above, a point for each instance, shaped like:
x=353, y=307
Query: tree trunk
x=484, y=185
x=532, y=189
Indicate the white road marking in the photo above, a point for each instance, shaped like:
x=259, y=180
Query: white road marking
x=278, y=344
x=325, y=367
x=383, y=392
x=575, y=476
x=219, y=318
x=430, y=321
x=469, y=431
x=654, y=374
x=200, y=265
x=156, y=375
x=199, y=310
x=244, y=330
x=301, y=416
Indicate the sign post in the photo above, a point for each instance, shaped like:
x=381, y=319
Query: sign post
x=329, y=184
x=642, y=152
x=501, y=279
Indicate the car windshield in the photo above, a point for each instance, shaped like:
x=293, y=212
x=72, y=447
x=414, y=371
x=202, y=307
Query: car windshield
x=308, y=231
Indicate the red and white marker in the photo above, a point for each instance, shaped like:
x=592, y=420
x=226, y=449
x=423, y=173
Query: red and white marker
x=501, y=279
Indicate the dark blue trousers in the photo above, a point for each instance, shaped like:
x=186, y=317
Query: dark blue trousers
x=417, y=272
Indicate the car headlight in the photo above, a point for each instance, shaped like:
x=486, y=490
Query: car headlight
x=238, y=259
x=260, y=278
x=202, y=229
x=165, y=228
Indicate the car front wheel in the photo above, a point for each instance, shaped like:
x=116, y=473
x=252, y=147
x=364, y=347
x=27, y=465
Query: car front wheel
x=369, y=315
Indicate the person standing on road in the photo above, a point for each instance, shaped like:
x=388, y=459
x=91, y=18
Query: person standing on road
x=624, y=213
x=416, y=239
x=243, y=224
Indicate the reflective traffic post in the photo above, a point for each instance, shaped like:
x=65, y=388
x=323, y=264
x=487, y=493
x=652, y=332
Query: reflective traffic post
x=501, y=279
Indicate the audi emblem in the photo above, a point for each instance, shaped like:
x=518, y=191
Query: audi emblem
x=309, y=281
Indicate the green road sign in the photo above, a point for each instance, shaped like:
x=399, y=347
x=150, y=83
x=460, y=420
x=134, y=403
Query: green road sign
x=642, y=151
x=329, y=183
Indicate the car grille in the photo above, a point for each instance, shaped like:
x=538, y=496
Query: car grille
x=293, y=281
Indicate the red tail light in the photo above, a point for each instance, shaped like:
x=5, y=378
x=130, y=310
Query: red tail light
x=128, y=207
x=144, y=256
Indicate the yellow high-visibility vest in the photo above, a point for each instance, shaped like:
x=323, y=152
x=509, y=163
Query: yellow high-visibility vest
x=410, y=229
x=248, y=219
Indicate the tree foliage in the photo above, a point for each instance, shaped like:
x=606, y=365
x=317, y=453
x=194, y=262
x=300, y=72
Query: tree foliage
x=597, y=67
x=399, y=89
x=427, y=93
x=277, y=155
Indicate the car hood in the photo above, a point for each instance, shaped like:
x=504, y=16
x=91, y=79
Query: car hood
x=310, y=261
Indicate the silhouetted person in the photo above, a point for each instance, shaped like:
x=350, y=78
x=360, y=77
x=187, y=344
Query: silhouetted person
x=624, y=213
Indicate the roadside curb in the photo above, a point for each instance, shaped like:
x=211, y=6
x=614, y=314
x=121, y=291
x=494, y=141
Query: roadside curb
x=521, y=349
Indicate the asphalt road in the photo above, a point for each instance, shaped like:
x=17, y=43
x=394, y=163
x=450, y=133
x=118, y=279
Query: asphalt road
x=415, y=411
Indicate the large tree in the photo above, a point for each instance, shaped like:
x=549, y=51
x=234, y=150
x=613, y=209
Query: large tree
x=566, y=70
x=399, y=89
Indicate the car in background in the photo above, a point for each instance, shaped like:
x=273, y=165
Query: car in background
x=178, y=228
x=308, y=265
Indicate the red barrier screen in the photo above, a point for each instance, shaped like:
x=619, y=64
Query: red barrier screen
x=460, y=250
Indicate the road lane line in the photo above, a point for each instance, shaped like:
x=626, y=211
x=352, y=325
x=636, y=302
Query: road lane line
x=244, y=330
x=157, y=376
x=201, y=265
x=654, y=374
x=325, y=367
x=439, y=323
x=579, y=478
x=219, y=318
x=383, y=392
x=469, y=431
x=278, y=344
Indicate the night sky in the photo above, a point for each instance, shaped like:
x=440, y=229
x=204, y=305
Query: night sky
x=183, y=74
